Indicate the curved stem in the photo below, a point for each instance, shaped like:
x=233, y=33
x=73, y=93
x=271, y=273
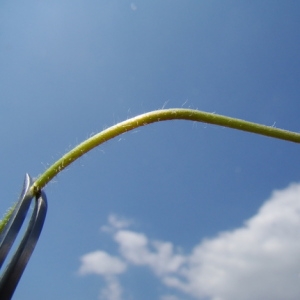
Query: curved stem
x=152, y=117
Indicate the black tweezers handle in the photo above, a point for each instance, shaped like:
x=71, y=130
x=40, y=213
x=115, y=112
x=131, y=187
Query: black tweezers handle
x=14, y=269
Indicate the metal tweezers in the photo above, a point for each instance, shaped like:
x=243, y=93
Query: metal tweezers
x=14, y=268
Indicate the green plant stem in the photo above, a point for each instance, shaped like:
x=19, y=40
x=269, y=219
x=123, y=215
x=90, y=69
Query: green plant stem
x=152, y=117
x=145, y=119
x=6, y=218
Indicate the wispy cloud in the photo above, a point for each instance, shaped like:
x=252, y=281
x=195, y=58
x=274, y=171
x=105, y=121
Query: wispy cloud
x=258, y=261
x=113, y=289
x=108, y=266
x=100, y=262
x=138, y=250
x=115, y=223
x=169, y=297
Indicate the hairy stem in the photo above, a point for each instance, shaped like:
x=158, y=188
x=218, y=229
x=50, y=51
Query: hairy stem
x=6, y=218
x=152, y=117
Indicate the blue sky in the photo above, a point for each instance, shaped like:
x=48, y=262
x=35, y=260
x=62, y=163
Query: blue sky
x=175, y=210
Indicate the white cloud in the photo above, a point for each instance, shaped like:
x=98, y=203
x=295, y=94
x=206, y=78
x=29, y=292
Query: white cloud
x=135, y=247
x=114, y=223
x=258, y=261
x=113, y=289
x=101, y=263
x=169, y=297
